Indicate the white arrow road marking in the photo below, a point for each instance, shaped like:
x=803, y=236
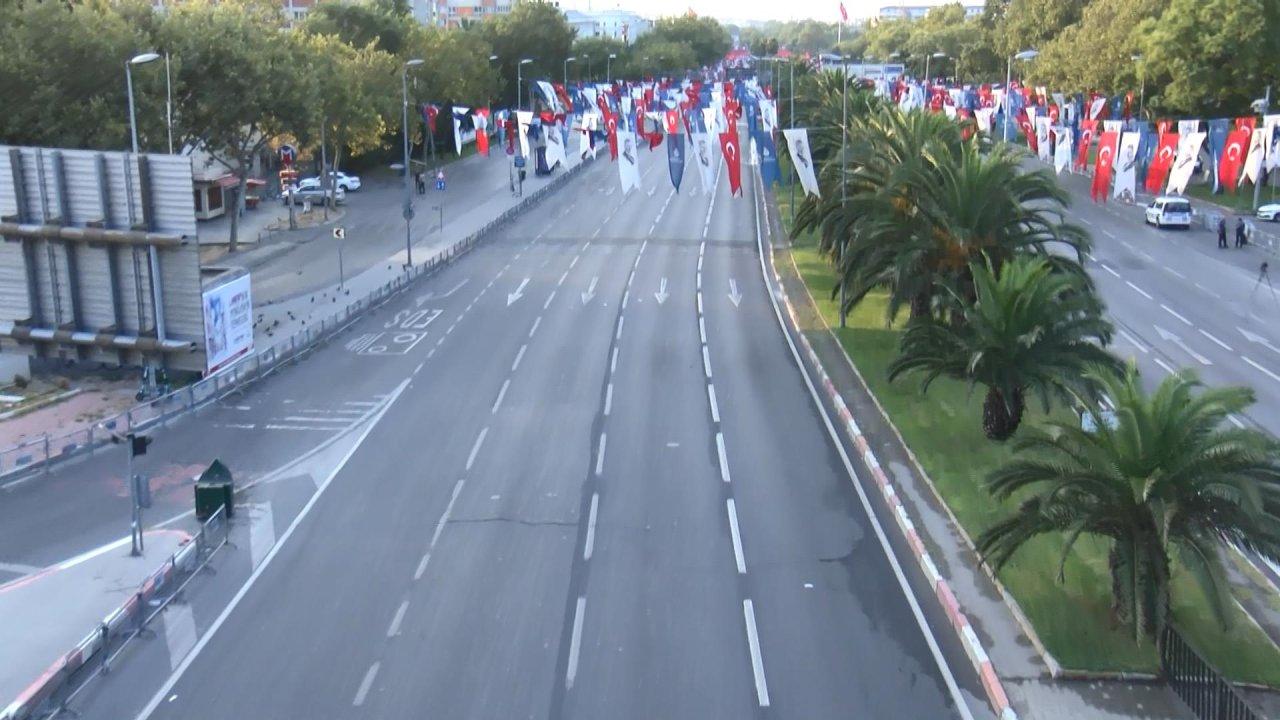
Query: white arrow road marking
x=1170, y=337
x=1256, y=338
x=591, y=291
x=735, y=297
x=661, y=296
x=519, y=293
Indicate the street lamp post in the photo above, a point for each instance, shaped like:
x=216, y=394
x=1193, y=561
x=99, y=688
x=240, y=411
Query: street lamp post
x=1008, y=80
x=1142, y=85
x=404, y=125
x=153, y=256
x=938, y=55
x=568, y=60
x=608, y=68
x=588, y=59
x=844, y=138
x=142, y=59
x=168, y=100
x=519, y=65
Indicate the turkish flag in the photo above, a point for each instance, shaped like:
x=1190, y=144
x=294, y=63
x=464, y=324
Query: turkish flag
x=732, y=160
x=1233, y=158
x=1164, y=126
x=1246, y=123
x=1166, y=151
x=672, y=120
x=1087, y=129
x=482, y=131
x=611, y=126
x=1102, y=170
x=1028, y=130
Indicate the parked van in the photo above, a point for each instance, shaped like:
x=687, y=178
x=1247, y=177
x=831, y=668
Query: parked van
x=1167, y=211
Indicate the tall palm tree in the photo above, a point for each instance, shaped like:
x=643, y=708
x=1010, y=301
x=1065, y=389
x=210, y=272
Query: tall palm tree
x=1032, y=328
x=1168, y=479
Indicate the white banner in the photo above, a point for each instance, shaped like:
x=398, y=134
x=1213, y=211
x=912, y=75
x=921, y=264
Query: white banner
x=1270, y=122
x=587, y=124
x=704, y=152
x=1185, y=162
x=1114, y=126
x=1257, y=153
x=628, y=162
x=802, y=158
x=1043, y=148
x=984, y=117
x=523, y=118
x=1125, y=169
x=1061, y=149
x=459, y=112
x=555, y=145
x=1095, y=107
x=228, y=323
x=1187, y=127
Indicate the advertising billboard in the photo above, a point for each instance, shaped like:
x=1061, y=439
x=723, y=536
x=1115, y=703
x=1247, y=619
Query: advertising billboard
x=228, y=323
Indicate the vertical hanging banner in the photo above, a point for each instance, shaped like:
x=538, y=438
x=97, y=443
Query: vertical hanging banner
x=732, y=152
x=1232, y=158
x=1184, y=163
x=801, y=159
x=1269, y=124
x=1253, y=160
x=555, y=145
x=1062, y=149
x=1044, y=148
x=523, y=119
x=628, y=163
x=704, y=155
x=1126, y=167
x=1166, y=151
x=461, y=124
x=1189, y=127
x=481, y=116
x=1102, y=168
x=1216, y=144
x=1087, y=130
x=611, y=130
x=769, y=172
x=675, y=159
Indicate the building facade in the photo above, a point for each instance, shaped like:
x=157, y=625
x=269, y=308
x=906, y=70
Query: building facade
x=915, y=12
x=456, y=13
x=617, y=24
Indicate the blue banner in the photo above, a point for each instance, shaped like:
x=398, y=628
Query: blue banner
x=1217, y=140
x=675, y=159
x=769, y=172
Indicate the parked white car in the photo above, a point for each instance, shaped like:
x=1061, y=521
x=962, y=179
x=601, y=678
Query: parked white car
x=1169, y=211
x=341, y=180
x=312, y=194
x=1269, y=212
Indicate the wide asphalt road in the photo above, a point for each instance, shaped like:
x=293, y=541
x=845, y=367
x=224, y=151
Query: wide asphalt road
x=600, y=489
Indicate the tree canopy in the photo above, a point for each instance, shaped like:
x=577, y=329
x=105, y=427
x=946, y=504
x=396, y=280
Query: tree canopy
x=705, y=37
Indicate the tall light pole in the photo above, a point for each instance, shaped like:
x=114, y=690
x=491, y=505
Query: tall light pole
x=608, y=68
x=168, y=100
x=142, y=59
x=522, y=63
x=404, y=126
x=588, y=59
x=1142, y=84
x=926, y=63
x=568, y=60
x=1008, y=80
x=844, y=139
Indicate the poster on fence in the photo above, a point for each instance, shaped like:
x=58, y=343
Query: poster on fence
x=228, y=323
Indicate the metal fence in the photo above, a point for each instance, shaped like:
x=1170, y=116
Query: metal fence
x=43, y=451
x=1198, y=683
x=93, y=655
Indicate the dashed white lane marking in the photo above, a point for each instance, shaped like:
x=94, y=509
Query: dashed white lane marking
x=1174, y=313
x=757, y=661
x=519, y=357
x=301, y=418
x=574, y=261
x=702, y=330
x=1085, y=221
x=179, y=632
x=600, y=454
x=715, y=407
x=608, y=399
x=394, y=629
x=1165, y=365
x=550, y=297
x=1139, y=290
x=706, y=362
x=575, y=643
x=613, y=364
x=699, y=302
x=618, y=335
x=723, y=457
x=422, y=566
x=419, y=368
x=1175, y=273
x=501, y=394
x=1210, y=292
x=738, y=557
x=366, y=684
x=562, y=277
x=475, y=449
x=1220, y=344
x=444, y=520
x=1269, y=374
x=589, y=545
x=1108, y=269
x=536, y=322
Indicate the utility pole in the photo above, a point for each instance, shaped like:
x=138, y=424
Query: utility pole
x=325, y=179
x=844, y=139
x=1257, y=178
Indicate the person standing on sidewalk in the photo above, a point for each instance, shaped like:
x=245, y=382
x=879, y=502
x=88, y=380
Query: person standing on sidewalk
x=1222, y=232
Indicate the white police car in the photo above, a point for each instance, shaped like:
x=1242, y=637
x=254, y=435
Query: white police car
x=1169, y=211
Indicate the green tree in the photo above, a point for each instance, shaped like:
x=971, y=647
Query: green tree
x=660, y=58
x=888, y=39
x=1210, y=57
x=1170, y=481
x=531, y=30
x=597, y=50
x=1032, y=329
x=703, y=36
x=356, y=97
x=383, y=24
x=1097, y=52
x=243, y=82
x=1033, y=23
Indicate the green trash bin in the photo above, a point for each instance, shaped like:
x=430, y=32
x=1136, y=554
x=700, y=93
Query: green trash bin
x=214, y=488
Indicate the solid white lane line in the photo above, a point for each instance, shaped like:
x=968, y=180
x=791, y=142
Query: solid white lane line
x=613, y=364
x=519, y=357
x=1269, y=374
x=608, y=399
x=550, y=297
x=1220, y=344
x=575, y=643
x=1108, y=269
x=501, y=394
x=536, y=322
x=706, y=362
x=1140, y=291
x=715, y=408
x=366, y=684
x=394, y=629
x=600, y=454
x=738, y=558
x=588, y=547
x=618, y=335
x=475, y=449
x=1164, y=365
x=1133, y=341
x=723, y=457
x=757, y=661
x=1174, y=313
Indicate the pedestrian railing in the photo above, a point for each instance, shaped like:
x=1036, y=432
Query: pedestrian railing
x=41, y=452
x=1198, y=683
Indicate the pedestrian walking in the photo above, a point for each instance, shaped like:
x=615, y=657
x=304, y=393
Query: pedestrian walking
x=420, y=183
x=440, y=179
x=1241, y=241
x=1222, y=232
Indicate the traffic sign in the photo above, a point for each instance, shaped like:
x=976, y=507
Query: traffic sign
x=339, y=233
x=288, y=154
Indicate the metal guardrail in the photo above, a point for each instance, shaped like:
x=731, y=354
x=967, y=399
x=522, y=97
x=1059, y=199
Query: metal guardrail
x=92, y=657
x=44, y=451
x=1198, y=683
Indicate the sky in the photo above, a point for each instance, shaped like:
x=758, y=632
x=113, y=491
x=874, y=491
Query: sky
x=740, y=10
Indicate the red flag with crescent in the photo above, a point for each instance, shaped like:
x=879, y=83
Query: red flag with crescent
x=611, y=127
x=1164, y=126
x=1102, y=170
x=1247, y=123
x=733, y=160
x=1087, y=129
x=482, y=131
x=672, y=120
x=1233, y=157
x=1162, y=162
x=1028, y=130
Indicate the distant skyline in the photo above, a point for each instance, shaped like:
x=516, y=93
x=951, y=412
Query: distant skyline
x=745, y=10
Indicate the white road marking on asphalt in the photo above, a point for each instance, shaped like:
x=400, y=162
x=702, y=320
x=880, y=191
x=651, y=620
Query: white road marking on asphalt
x=519, y=357
x=574, y=261
x=431, y=352
x=519, y=293
x=394, y=629
x=274, y=426
x=475, y=449
x=422, y=566
x=19, y=568
x=706, y=362
x=1175, y=273
x=550, y=297
x=757, y=662
x=536, y=322
x=1221, y=344
x=562, y=277
x=600, y=453
x=613, y=364
x=608, y=398
x=1140, y=291
x=626, y=298
x=235, y=426
x=419, y=368
x=262, y=532
x=304, y=419
x=618, y=335
x=1269, y=374
x=1256, y=338
x=179, y=632
x=735, y=297
x=444, y=518
x=1174, y=313
x=702, y=330
x=738, y=558
x=715, y=408
x=1108, y=269
x=450, y=328
x=1086, y=222
x=1210, y=292
x=366, y=684
x=1170, y=337
x=699, y=262
x=501, y=394
x=575, y=643
x=699, y=287
x=699, y=302
x=1164, y=365
x=588, y=547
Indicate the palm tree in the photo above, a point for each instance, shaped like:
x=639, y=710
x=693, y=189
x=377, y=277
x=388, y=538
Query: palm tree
x=1166, y=480
x=1032, y=328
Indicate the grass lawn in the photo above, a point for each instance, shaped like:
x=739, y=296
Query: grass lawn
x=944, y=430
x=1240, y=201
